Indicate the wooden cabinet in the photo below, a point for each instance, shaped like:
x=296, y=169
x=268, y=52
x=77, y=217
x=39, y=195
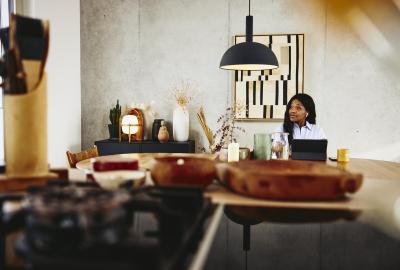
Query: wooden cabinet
x=110, y=147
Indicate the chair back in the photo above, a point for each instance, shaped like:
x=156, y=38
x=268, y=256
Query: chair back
x=74, y=158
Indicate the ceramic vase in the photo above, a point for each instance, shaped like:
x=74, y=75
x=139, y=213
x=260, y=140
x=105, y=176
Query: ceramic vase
x=155, y=129
x=163, y=135
x=181, y=124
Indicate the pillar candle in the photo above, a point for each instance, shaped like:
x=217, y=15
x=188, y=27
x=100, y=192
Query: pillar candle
x=233, y=152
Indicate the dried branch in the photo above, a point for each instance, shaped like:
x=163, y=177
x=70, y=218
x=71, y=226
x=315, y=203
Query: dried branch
x=206, y=128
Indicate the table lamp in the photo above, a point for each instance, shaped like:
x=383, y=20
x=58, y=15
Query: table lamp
x=132, y=124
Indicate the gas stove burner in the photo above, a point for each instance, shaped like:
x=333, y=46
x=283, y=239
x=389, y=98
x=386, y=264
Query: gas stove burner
x=85, y=227
x=77, y=217
x=56, y=200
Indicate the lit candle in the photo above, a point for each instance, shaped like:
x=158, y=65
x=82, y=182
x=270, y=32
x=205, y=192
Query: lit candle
x=233, y=152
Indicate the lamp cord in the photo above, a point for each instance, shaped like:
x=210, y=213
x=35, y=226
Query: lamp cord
x=249, y=7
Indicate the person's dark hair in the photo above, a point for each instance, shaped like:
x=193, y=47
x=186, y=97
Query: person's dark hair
x=308, y=104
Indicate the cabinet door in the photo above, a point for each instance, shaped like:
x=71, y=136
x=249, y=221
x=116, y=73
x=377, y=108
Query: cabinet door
x=111, y=148
x=165, y=148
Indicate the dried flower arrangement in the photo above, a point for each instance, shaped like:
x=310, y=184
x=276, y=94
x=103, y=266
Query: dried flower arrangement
x=226, y=132
x=181, y=93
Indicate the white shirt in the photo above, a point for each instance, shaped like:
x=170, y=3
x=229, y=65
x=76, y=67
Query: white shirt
x=309, y=131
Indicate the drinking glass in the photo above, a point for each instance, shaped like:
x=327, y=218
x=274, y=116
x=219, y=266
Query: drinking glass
x=262, y=146
x=280, y=145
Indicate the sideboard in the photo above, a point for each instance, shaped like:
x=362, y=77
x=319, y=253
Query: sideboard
x=111, y=147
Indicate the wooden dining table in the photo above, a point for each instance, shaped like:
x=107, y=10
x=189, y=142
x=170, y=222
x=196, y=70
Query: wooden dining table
x=381, y=183
x=368, y=167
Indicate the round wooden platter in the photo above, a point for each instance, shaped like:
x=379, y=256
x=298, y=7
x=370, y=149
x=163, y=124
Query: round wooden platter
x=146, y=160
x=288, y=179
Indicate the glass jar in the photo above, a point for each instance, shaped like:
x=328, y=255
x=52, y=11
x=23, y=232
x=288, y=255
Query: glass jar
x=280, y=145
x=262, y=146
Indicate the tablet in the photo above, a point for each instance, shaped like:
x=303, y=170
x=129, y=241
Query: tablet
x=309, y=149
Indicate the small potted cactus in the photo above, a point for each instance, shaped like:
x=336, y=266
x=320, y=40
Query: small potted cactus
x=113, y=128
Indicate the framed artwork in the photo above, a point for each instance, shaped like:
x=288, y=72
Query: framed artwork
x=266, y=93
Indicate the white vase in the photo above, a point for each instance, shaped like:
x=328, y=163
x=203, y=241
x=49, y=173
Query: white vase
x=181, y=124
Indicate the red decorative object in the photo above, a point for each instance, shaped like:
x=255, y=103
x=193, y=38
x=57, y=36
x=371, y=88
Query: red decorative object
x=114, y=164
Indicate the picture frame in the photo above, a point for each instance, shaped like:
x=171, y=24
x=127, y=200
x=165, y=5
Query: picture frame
x=265, y=94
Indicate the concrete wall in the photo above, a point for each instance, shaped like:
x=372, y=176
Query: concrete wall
x=63, y=69
x=136, y=51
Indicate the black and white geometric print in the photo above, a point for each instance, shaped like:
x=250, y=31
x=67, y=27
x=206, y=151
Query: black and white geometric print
x=266, y=93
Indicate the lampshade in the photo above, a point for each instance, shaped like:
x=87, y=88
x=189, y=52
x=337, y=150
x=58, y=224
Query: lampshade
x=130, y=124
x=249, y=55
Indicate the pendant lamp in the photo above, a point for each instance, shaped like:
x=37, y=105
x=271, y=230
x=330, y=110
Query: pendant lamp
x=249, y=55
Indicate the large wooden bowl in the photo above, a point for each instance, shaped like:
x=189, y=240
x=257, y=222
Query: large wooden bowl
x=289, y=179
x=183, y=171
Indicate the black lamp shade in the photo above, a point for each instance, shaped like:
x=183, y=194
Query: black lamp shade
x=249, y=56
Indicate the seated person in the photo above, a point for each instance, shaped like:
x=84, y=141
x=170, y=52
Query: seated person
x=300, y=120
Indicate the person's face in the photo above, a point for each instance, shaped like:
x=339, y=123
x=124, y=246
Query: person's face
x=297, y=112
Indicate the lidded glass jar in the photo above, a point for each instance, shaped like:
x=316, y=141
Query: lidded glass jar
x=280, y=145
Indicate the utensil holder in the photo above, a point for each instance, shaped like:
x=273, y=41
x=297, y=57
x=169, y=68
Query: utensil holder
x=25, y=133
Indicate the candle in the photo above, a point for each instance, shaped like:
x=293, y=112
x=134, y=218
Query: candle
x=233, y=152
x=343, y=155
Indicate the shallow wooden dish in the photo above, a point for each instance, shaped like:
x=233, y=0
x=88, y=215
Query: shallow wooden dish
x=288, y=179
x=183, y=171
x=246, y=215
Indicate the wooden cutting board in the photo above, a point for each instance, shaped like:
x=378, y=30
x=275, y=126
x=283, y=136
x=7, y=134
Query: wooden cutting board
x=288, y=180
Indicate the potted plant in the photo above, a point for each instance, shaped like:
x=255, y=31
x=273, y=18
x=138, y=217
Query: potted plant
x=113, y=128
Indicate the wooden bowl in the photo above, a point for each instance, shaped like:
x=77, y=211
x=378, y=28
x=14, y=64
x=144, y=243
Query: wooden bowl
x=183, y=171
x=113, y=179
x=288, y=179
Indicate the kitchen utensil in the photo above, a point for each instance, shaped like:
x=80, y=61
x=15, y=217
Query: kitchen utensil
x=288, y=180
x=29, y=37
x=13, y=75
x=183, y=170
x=4, y=38
x=16, y=68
